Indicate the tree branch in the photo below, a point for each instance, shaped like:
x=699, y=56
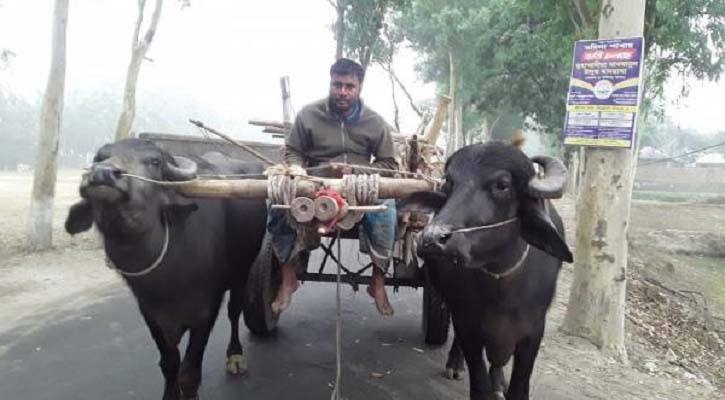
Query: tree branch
x=573, y=20
x=396, y=114
x=490, y=128
x=404, y=89
x=139, y=21
x=583, y=12
x=151, y=30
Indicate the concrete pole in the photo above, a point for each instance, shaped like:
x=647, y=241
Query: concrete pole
x=597, y=300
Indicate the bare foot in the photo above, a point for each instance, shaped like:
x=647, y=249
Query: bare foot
x=377, y=291
x=284, y=297
x=284, y=294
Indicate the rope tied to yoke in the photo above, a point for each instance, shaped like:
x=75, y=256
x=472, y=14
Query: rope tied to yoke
x=361, y=190
x=281, y=189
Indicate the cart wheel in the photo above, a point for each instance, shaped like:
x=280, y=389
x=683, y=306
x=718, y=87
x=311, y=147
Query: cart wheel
x=435, y=315
x=262, y=285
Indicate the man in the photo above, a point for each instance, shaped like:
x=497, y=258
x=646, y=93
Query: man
x=337, y=132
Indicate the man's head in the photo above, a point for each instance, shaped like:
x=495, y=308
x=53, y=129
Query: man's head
x=346, y=78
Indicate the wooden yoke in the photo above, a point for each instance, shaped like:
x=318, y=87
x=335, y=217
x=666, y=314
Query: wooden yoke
x=390, y=188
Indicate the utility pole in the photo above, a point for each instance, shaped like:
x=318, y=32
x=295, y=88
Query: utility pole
x=40, y=221
x=597, y=300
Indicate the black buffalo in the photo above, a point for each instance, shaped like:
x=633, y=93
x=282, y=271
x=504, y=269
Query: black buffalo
x=494, y=249
x=178, y=255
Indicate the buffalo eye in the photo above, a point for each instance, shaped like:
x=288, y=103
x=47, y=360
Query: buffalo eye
x=154, y=162
x=501, y=189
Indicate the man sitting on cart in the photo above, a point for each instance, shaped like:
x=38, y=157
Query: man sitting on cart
x=337, y=132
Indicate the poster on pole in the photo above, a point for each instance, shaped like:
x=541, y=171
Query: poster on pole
x=604, y=93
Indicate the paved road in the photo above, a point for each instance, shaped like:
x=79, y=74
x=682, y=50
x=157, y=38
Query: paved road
x=105, y=352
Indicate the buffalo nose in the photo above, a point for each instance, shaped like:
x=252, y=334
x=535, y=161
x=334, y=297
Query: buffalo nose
x=435, y=237
x=105, y=174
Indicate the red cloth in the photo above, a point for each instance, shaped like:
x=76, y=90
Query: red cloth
x=341, y=204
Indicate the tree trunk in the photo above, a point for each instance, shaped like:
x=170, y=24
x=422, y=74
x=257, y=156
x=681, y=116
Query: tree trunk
x=597, y=300
x=340, y=29
x=40, y=222
x=453, y=94
x=442, y=108
x=139, y=48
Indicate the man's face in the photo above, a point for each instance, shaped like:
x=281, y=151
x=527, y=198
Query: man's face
x=344, y=91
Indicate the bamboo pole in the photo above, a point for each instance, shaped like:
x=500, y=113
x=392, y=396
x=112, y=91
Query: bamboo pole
x=390, y=188
x=287, y=111
x=247, y=148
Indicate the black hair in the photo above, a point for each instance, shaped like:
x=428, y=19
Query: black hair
x=345, y=66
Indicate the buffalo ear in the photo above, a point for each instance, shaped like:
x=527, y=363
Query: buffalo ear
x=539, y=230
x=176, y=204
x=424, y=202
x=80, y=217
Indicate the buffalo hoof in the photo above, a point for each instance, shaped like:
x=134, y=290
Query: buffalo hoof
x=237, y=364
x=454, y=374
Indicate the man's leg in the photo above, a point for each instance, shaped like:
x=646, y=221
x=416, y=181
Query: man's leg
x=283, y=243
x=376, y=290
x=379, y=229
x=289, y=285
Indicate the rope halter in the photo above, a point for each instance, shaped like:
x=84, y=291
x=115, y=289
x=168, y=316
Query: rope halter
x=512, y=269
x=151, y=267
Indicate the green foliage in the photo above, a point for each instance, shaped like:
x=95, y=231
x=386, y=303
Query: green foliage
x=367, y=37
x=510, y=53
x=686, y=37
x=516, y=54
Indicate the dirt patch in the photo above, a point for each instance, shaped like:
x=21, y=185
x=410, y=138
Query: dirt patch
x=15, y=190
x=70, y=275
x=676, y=303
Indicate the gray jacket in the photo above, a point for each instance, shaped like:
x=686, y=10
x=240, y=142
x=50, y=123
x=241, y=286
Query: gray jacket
x=319, y=137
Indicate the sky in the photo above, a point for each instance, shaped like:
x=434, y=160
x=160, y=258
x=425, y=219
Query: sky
x=228, y=55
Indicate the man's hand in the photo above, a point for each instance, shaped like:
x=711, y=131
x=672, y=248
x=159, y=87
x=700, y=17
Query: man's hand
x=297, y=170
x=281, y=169
x=342, y=169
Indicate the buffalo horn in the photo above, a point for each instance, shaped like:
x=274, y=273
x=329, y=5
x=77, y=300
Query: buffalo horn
x=184, y=170
x=551, y=185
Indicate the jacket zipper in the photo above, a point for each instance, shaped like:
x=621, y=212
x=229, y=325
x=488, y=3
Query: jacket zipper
x=342, y=136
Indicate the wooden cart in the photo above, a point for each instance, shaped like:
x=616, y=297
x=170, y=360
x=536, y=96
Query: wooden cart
x=265, y=274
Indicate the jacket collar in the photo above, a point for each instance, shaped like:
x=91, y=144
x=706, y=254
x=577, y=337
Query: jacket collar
x=350, y=119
